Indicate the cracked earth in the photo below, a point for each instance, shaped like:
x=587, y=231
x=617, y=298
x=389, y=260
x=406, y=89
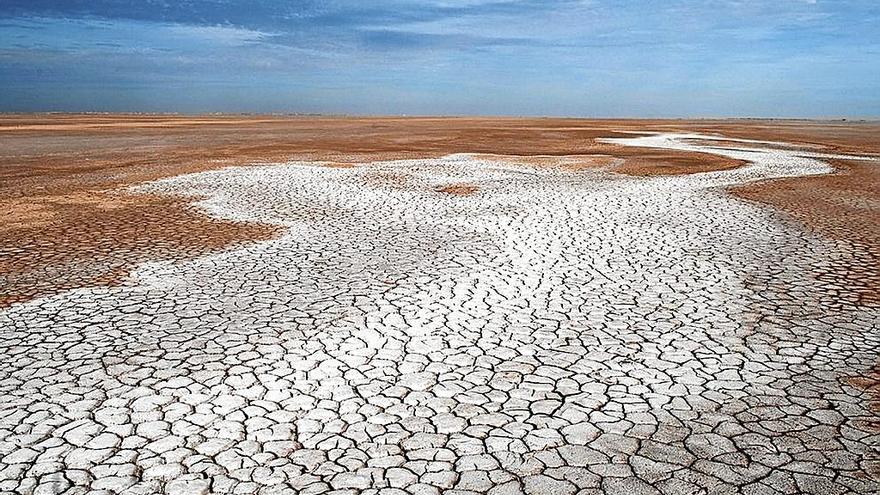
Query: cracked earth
x=458, y=325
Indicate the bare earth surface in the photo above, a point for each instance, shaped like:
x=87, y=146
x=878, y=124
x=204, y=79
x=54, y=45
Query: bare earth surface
x=438, y=305
x=64, y=222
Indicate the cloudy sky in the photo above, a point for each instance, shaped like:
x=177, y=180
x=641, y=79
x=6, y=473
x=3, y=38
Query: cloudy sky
x=784, y=58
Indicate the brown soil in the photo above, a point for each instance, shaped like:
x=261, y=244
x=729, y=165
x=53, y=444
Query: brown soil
x=843, y=206
x=459, y=189
x=65, y=223
x=851, y=137
x=95, y=238
x=870, y=383
x=662, y=162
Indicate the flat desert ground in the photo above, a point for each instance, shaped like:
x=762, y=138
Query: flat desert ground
x=262, y=305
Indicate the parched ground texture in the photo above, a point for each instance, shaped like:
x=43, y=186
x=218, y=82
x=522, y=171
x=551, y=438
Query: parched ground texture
x=437, y=306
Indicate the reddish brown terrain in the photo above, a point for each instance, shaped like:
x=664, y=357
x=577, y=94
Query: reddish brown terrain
x=67, y=224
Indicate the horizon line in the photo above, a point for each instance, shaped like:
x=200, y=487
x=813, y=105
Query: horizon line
x=866, y=118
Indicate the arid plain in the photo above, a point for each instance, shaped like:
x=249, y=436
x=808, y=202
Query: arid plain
x=230, y=304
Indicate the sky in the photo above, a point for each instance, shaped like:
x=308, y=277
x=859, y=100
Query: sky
x=589, y=58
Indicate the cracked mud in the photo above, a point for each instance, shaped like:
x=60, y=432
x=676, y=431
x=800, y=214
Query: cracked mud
x=458, y=325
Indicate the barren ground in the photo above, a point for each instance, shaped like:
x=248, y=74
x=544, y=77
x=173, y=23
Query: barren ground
x=64, y=224
x=429, y=304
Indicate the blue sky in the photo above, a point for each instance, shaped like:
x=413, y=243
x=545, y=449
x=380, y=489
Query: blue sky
x=783, y=58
